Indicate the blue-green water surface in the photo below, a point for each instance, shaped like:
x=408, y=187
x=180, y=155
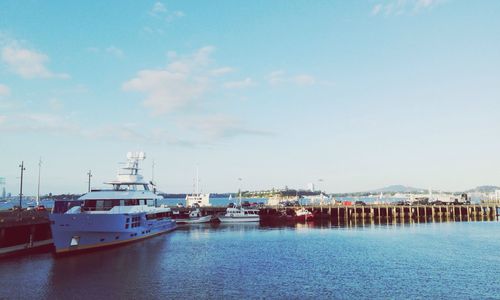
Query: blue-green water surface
x=304, y=261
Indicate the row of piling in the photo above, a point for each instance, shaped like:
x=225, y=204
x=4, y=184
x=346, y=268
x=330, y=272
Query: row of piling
x=393, y=212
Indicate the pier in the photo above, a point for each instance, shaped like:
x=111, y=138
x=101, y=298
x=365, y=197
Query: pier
x=391, y=212
x=22, y=230
x=402, y=213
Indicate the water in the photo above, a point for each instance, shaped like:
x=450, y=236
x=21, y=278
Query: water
x=433, y=260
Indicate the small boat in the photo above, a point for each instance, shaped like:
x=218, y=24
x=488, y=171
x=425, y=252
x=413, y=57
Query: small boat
x=195, y=217
x=302, y=214
x=239, y=214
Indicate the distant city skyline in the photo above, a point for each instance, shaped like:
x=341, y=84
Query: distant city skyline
x=346, y=95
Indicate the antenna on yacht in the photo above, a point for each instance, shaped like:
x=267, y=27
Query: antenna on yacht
x=38, y=189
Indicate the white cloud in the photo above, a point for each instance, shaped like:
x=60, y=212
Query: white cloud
x=183, y=81
x=28, y=63
x=281, y=77
x=222, y=71
x=400, y=7
x=303, y=80
x=160, y=10
x=376, y=9
x=4, y=90
x=247, y=82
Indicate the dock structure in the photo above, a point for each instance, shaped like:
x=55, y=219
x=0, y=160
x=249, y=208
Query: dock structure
x=22, y=230
x=399, y=213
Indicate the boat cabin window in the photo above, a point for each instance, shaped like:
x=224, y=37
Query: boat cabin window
x=61, y=207
x=130, y=187
x=107, y=204
x=159, y=216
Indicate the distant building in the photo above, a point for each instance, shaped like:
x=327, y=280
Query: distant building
x=310, y=187
x=2, y=184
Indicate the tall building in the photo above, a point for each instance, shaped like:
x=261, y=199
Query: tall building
x=310, y=187
x=2, y=184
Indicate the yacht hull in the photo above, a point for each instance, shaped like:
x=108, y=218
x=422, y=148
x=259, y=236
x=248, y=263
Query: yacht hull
x=238, y=219
x=77, y=232
x=204, y=219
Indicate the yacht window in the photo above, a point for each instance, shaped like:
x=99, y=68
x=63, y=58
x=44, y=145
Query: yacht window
x=99, y=204
x=151, y=202
x=130, y=202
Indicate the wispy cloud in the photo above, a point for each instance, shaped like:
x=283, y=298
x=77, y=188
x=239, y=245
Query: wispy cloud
x=222, y=71
x=160, y=10
x=219, y=126
x=4, y=90
x=28, y=63
x=59, y=124
x=401, y=7
x=247, y=82
x=111, y=50
x=39, y=122
x=281, y=77
x=185, y=79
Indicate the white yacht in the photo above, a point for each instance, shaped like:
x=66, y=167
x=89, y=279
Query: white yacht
x=127, y=212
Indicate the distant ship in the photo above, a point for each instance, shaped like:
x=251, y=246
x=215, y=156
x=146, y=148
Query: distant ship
x=129, y=211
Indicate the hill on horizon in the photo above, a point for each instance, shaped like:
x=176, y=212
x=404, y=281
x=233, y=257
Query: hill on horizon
x=397, y=188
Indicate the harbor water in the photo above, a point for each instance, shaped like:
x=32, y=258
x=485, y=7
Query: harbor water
x=456, y=260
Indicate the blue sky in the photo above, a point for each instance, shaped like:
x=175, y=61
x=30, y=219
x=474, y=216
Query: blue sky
x=359, y=94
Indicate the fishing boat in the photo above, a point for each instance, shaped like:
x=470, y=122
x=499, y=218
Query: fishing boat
x=302, y=214
x=239, y=214
x=129, y=211
x=194, y=217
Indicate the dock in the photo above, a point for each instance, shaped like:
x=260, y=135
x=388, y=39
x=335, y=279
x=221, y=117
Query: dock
x=392, y=212
x=24, y=230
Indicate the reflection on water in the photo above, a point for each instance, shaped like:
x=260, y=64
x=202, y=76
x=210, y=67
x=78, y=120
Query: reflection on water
x=304, y=260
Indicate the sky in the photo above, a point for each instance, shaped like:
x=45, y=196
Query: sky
x=347, y=95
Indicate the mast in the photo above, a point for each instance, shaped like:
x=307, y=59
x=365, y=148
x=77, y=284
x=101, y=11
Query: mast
x=89, y=173
x=153, y=172
x=197, y=181
x=239, y=191
x=21, y=188
x=38, y=189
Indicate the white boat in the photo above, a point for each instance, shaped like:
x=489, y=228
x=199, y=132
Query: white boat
x=302, y=214
x=127, y=212
x=195, y=217
x=240, y=214
x=197, y=199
